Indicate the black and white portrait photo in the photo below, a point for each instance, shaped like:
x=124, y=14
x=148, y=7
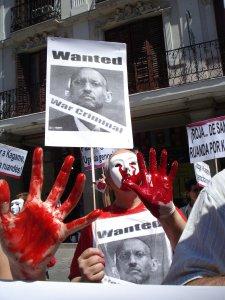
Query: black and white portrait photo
x=96, y=90
x=140, y=260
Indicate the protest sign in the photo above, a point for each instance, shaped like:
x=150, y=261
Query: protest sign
x=87, y=103
x=202, y=173
x=12, y=160
x=206, y=139
x=40, y=290
x=101, y=155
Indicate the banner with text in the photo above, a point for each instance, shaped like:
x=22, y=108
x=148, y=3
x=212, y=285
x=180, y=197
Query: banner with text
x=49, y=290
x=12, y=160
x=87, y=99
x=202, y=173
x=206, y=139
x=101, y=155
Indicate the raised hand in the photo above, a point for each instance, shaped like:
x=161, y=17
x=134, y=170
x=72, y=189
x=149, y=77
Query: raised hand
x=31, y=237
x=156, y=188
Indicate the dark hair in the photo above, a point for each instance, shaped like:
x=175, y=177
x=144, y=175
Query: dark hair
x=189, y=184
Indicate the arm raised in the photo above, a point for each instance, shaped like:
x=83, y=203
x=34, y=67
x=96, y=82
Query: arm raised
x=31, y=237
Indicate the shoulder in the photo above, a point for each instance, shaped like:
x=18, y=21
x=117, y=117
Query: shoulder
x=115, y=211
x=65, y=122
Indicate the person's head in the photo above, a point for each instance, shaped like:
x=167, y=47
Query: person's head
x=17, y=204
x=88, y=88
x=192, y=190
x=134, y=261
x=121, y=163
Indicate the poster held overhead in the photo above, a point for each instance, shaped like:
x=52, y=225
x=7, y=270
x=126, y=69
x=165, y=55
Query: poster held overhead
x=206, y=139
x=87, y=102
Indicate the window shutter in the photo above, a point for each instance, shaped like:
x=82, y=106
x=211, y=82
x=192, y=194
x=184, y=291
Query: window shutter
x=23, y=93
x=42, y=64
x=146, y=57
x=123, y=35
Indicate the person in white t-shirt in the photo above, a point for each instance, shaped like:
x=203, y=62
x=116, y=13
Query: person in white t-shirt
x=128, y=218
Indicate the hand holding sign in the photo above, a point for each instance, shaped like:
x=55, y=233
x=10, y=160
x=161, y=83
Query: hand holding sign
x=156, y=189
x=31, y=237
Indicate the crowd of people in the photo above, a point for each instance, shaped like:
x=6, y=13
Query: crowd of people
x=141, y=238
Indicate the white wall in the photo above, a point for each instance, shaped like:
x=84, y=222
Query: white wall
x=7, y=80
x=202, y=22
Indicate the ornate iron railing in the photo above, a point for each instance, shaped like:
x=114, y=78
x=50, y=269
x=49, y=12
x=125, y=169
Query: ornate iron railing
x=175, y=67
x=34, y=12
x=22, y=101
x=196, y=62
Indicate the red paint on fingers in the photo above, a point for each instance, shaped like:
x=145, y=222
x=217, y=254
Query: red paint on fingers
x=61, y=181
x=83, y=222
x=36, y=181
x=135, y=178
x=32, y=233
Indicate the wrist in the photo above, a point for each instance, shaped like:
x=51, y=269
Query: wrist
x=167, y=211
x=27, y=273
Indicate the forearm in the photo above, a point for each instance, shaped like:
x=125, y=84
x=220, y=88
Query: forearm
x=216, y=281
x=21, y=272
x=173, y=226
x=5, y=271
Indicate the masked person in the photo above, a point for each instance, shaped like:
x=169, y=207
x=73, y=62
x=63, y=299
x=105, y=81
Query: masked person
x=127, y=222
x=17, y=204
x=87, y=88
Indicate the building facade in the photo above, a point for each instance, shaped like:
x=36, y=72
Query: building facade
x=176, y=65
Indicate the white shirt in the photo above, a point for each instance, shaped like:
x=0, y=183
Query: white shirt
x=201, y=249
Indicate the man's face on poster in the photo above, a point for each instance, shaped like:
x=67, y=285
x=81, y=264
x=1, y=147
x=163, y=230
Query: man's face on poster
x=89, y=89
x=134, y=262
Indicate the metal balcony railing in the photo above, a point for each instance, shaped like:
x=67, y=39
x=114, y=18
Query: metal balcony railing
x=22, y=101
x=175, y=67
x=34, y=12
x=196, y=62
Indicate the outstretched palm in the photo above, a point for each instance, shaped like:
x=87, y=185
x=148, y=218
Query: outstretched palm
x=156, y=189
x=31, y=237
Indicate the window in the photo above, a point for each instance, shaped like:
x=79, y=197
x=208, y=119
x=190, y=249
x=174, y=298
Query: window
x=31, y=74
x=146, y=57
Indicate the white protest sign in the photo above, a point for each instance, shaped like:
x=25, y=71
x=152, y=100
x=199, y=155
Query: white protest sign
x=40, y=290
x=202, y=173
x=206, y=139
x=87, y=99
x=12, y=160
x=101, y=155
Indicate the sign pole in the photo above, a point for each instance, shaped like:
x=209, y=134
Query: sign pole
x=93, y=177
x=216, y=165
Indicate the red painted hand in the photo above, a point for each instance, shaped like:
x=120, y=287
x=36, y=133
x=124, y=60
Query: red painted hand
x=156, y=189
x=31, y=237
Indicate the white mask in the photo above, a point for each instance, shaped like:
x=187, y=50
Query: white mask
x=16, y=205
x=123, y=163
